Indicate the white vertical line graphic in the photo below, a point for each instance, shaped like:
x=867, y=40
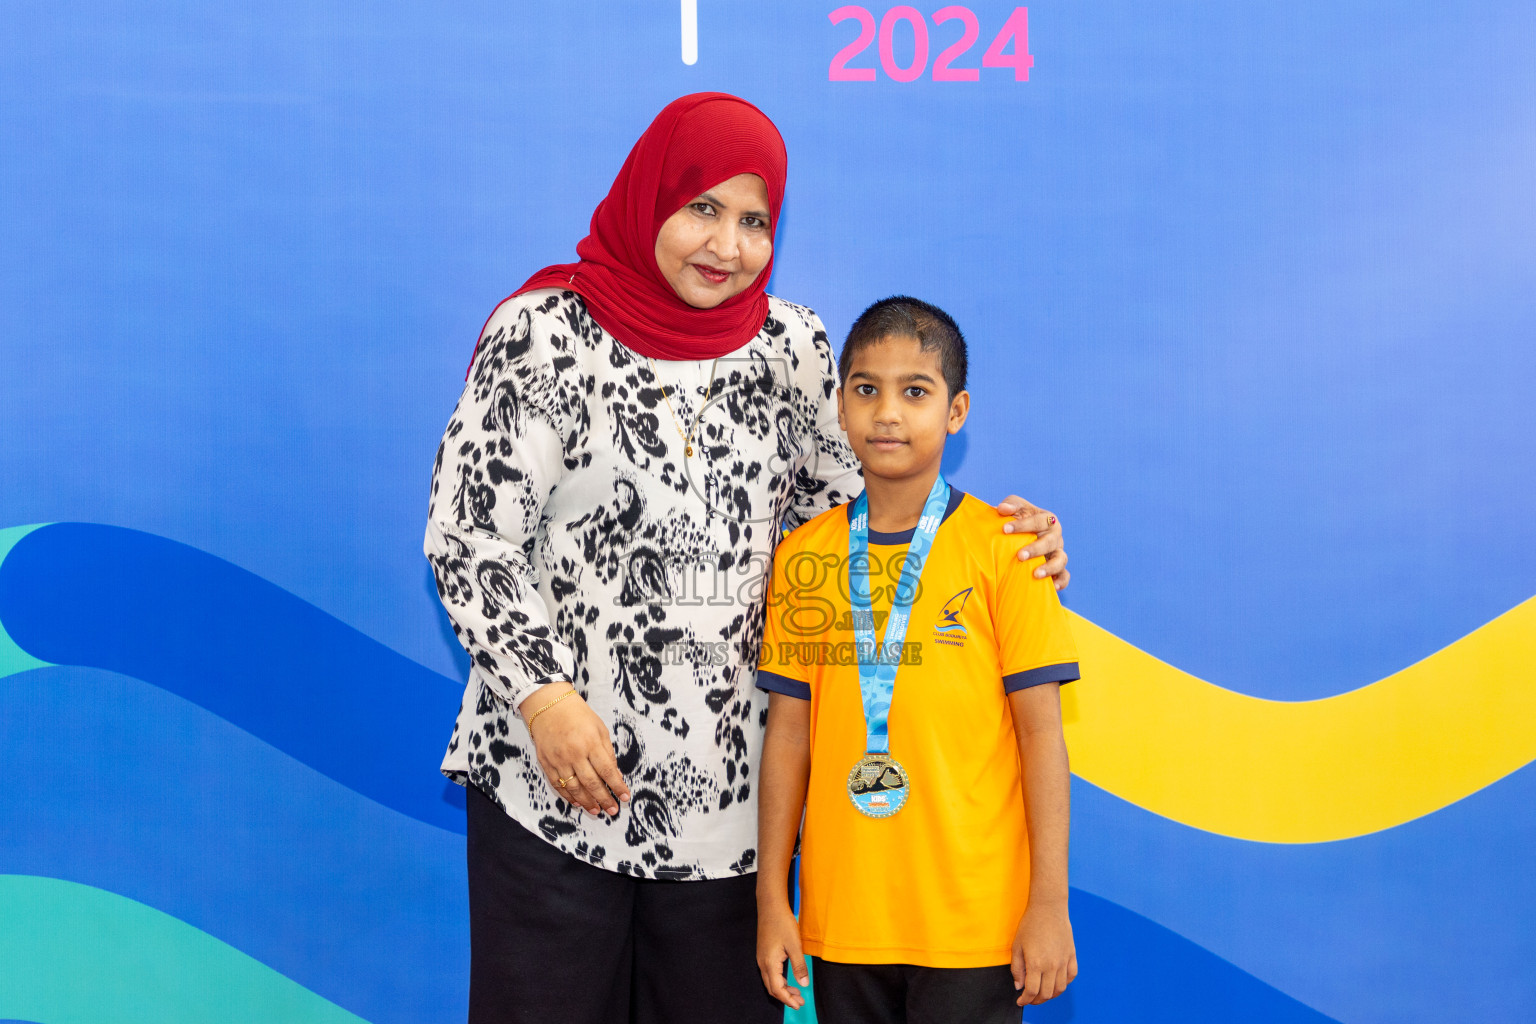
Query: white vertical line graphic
x=690, y=31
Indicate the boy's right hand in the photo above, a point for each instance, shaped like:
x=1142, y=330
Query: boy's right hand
x=778, y=939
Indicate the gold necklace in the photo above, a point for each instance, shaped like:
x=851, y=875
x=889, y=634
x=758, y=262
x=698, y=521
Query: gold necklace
x=688, y=437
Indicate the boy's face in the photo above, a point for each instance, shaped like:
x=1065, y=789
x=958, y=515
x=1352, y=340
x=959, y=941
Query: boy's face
x=897, y=410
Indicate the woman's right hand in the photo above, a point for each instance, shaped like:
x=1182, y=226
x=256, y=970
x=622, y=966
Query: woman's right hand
x=574, y=747
x=778, y=939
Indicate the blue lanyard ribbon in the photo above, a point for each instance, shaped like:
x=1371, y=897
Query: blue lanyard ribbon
x=878, y=662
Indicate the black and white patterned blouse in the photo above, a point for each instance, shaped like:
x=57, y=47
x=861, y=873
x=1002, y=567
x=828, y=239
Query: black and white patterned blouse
x=571, y=538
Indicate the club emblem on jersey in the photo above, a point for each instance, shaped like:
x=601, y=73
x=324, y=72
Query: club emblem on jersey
x=949, y=630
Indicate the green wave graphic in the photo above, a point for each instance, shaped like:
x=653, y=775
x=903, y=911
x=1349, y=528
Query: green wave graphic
x=12, y=658
x=75, y=954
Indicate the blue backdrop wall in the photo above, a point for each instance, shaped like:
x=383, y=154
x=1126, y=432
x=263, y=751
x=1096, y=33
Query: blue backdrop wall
x=1251, y=291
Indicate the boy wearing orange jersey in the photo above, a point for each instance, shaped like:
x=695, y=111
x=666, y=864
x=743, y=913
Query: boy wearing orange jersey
x=915, y=720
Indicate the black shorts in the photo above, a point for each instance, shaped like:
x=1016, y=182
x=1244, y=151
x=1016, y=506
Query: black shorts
x=554, y=940
x=905, y=994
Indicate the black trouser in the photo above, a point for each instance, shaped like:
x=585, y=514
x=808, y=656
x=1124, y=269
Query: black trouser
x=904, y=994
x=554, y=940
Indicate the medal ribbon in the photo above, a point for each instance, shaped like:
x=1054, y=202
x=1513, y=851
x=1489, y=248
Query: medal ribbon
x=878, y=662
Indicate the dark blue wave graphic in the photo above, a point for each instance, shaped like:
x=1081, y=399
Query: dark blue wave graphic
x=1361, y=929
x=180, y=810
x=245, y=649
x=112, y=782
x=1134, y=969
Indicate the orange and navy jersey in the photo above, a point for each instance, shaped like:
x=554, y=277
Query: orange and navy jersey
x=943, y=882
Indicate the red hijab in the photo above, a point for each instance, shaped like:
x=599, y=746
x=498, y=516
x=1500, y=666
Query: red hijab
x=694, y=144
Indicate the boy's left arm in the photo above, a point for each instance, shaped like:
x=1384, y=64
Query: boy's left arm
x=1044, y=955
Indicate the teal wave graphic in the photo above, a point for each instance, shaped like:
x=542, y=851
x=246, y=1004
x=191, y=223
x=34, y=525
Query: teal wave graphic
x=185, y=812
x=74, y=954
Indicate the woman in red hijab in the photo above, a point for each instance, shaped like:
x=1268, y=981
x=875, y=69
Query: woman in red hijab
x=635, y=428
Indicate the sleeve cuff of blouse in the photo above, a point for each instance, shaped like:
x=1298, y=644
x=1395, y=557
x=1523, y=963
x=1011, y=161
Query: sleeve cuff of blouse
x=1065, y=672
x=523, y=691
x=775, y=683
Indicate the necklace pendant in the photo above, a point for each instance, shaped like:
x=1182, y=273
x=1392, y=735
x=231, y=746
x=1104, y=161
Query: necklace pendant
x=688, y=451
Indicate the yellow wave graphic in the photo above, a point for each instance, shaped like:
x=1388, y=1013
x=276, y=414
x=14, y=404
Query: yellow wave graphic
x=1305, y=771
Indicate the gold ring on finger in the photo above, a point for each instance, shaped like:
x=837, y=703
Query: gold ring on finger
x=565, y=782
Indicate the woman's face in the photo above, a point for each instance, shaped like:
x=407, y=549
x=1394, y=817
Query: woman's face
x=717, y=244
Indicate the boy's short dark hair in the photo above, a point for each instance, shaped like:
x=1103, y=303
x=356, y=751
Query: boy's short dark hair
x=902, y=316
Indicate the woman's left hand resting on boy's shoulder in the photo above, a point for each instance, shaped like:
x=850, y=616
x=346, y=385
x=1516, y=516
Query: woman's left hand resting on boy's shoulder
x=1047, y=530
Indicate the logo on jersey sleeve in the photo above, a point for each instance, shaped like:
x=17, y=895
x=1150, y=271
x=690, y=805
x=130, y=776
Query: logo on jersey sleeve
x=949, y=630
